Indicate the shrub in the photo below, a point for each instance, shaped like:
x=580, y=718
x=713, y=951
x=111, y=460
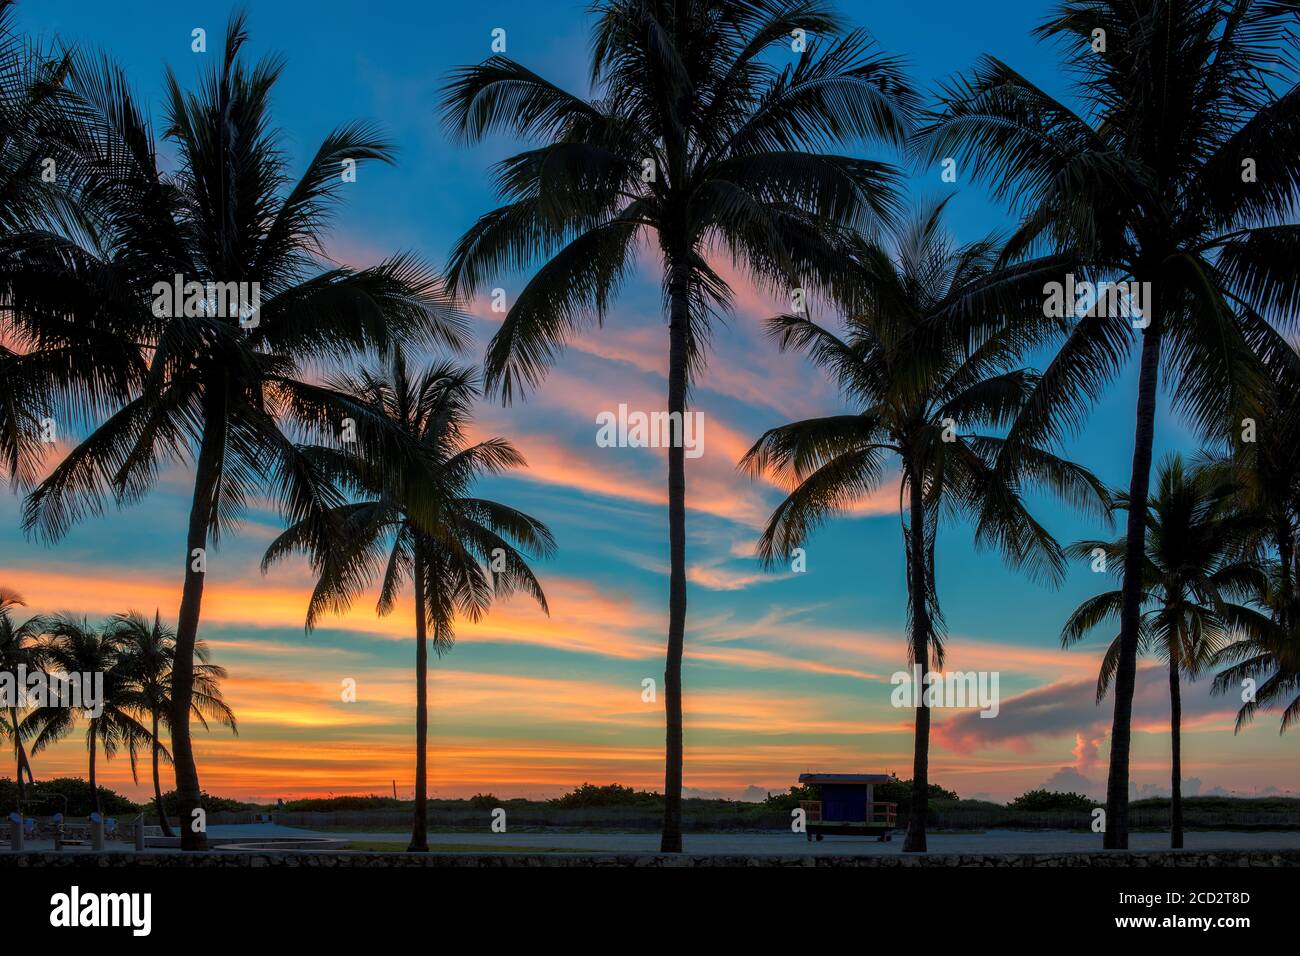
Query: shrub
x=785, y=802
x=206, y=800
x=900, y=792
x=1051, y=800
x=610, y=795
x=46, y=797
x=327, y=804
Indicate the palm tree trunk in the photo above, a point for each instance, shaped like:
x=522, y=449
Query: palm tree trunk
x=915, y=842
x=1295, y=568
x=208, y=469
x=94, y=787
x=157, y=784
x=1116, y=837
x=20, y=758
x=420, y=822
x=1286, y=552
x=678, y=332
x=1175, y=729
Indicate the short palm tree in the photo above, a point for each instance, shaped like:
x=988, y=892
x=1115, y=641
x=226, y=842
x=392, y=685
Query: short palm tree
x=224, y=388
x=418, y=522
x=72, y=646
x=17, y=650
x=706, y=135
x=1180, y=170
x=922, y=395
x=145, y=661
x=1197, y=580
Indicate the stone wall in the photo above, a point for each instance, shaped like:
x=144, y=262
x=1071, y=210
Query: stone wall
x=1114, y=858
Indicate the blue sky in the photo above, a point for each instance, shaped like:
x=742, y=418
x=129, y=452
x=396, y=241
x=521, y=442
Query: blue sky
x=785, y=672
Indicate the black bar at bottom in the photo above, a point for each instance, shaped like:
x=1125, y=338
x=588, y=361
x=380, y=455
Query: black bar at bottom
x=306, y=904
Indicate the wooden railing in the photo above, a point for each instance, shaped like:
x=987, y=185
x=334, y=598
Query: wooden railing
x=885, y=813
x=882, y=813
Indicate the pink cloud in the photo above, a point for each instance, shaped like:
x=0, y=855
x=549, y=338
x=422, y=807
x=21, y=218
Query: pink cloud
x=1068, y=709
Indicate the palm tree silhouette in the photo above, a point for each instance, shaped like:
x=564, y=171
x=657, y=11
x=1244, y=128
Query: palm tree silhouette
x=705, y=135
x=72, y=646
x=1270, y=661
x=17, y=650
x=48, y=363
x=222, y=385
x=145, y=661
x=29, y=106
x=1196, y=579
x=1181, y=171
x=922, y=389
x=1266, y=473
x=417, y=521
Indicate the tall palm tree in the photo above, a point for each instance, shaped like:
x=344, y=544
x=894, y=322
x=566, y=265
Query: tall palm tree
x=27, y=85
x=47, y=364
x=1197, y=578
x=1181, y=169
x=72, y=646
x=704, y=136
x=418, y=522
x=145, y=660
x=34, y=142
x=17, y=650
x=224, y=385
x=922, y=393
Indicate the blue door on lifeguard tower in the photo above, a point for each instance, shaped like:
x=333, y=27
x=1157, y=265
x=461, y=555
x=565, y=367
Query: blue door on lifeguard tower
x=844, y=801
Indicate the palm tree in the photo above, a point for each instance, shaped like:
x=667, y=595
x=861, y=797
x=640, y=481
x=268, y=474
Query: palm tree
x=17, y=650
x=1197, y=573
x=145, y=661
x=73, y=647
x=704, y=135
x=224, y=382
x=24, y=93
x=1267, y=474
x=45, y=360
x=1180, y=174
x=1270, y=661
x=32, y=111
x=418, y=522
x=921, y=390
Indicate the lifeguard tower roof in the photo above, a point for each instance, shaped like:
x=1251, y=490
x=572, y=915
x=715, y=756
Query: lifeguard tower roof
x=844, y=778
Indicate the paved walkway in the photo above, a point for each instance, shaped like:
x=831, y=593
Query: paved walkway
x=241, y=831
x=991, y=841
x=753, y=844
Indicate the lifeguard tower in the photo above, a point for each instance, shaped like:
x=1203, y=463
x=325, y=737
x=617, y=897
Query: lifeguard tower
x=847, y=806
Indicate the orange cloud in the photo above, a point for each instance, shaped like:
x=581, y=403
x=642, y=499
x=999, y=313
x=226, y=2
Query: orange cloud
x=714, y=486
